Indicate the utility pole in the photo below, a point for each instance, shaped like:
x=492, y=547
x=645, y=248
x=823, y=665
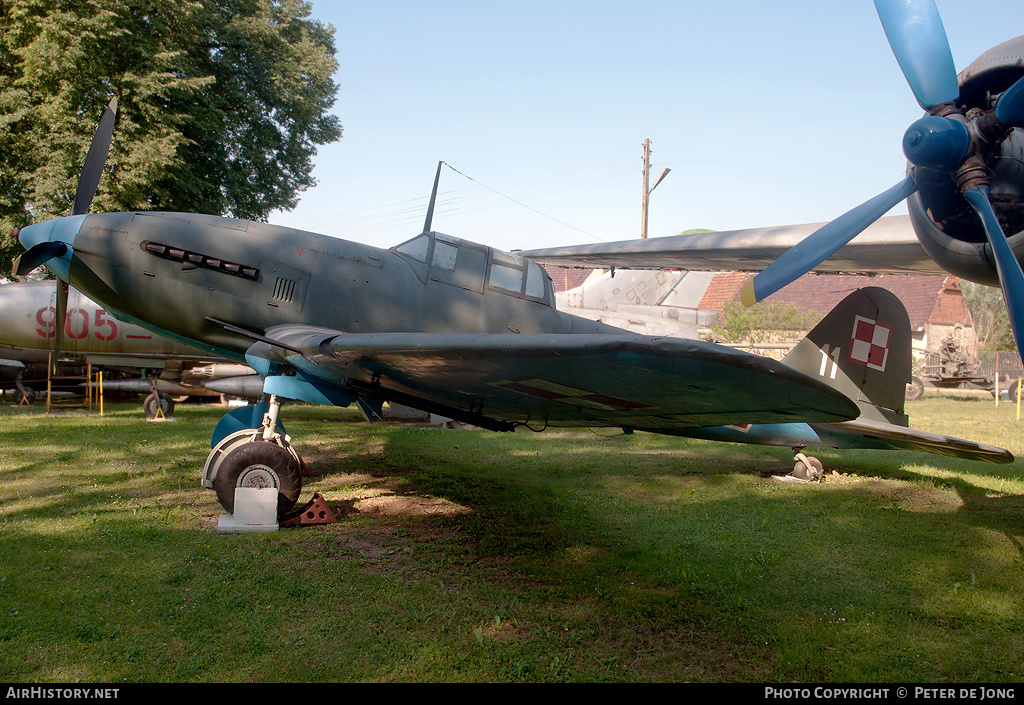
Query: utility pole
x=648, y=189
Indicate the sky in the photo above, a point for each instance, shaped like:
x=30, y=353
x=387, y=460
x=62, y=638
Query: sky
x=766, y=113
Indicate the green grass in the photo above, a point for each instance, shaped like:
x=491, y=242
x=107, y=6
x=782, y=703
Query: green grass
x=476, y=556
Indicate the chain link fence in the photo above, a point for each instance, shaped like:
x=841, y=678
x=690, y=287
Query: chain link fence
x=1002, y=365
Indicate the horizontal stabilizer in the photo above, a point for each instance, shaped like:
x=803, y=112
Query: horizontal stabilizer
x=890, y=436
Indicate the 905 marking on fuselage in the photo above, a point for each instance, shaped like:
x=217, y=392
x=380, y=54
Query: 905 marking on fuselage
x=77, y=324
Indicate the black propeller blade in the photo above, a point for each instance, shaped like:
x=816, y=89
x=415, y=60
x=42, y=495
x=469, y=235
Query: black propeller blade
x=95, y=160
x=59, y=320
x=37, y=255
x=88, y=181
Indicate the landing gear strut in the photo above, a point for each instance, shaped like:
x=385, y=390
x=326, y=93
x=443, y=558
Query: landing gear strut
x=255, y=457
x=23, y=396
x=158, y=405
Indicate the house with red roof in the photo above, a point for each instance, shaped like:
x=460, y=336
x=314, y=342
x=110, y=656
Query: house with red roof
x=935, y=304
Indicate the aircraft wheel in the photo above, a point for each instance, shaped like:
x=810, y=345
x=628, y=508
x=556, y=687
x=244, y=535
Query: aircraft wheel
x=915, y=390
x=1014, y=386
x=24, y=396
x=259, y=464
x=807, y=468
x=152, y=404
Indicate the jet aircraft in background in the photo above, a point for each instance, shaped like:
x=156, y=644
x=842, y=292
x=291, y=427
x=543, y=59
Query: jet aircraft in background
x=459, y=329
x=92, y=336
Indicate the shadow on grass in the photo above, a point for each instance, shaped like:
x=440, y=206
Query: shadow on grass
x=578, y=556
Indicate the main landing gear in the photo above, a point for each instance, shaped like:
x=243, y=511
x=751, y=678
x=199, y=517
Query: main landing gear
x=259, y=457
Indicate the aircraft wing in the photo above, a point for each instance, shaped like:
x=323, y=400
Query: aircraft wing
x=889, y=246
x=873, y=434
x=556, y=380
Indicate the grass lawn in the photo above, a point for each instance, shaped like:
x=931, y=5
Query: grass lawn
x=476, y=556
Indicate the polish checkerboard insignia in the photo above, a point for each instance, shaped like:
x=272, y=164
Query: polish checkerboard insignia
x=870, y=343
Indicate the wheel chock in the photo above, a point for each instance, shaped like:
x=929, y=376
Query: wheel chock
x=313, y=513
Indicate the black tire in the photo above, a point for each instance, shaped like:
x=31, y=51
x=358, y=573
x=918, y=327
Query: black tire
x=915, y=390
x=26, y=395
x=259, y=464
x=1011, y=390
x=812, y=471
x=165, y=404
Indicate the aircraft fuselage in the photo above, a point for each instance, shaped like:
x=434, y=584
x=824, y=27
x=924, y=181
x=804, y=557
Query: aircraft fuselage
x=171, y=272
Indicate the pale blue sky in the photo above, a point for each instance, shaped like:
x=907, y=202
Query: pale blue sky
x=768, y=113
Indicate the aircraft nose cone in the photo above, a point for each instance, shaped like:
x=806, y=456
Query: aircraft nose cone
x=59, y=231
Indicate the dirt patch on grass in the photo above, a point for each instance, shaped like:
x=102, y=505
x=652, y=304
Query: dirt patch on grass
x=409, y=505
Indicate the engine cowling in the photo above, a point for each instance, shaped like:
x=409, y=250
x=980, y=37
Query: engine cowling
x=948, y=228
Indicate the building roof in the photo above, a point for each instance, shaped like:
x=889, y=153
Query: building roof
x=724, y=287
x=565, y=278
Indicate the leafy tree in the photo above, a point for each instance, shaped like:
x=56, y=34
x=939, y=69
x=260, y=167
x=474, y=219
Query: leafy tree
x=991, y=322
x=763, y=321
x=222, y=105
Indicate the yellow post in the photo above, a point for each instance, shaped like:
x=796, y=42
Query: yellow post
x=99, y=381
x=49, y=380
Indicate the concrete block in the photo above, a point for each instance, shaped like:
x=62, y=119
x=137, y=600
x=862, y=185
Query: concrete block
x=255, y=510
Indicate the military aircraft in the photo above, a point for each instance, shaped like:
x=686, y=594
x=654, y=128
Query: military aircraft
x=964, y=188
x=452, y=327
x=91, y=335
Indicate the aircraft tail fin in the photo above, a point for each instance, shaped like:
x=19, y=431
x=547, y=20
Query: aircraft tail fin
x=863, y=349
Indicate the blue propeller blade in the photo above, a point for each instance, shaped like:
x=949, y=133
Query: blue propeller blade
x=1010, y=105
x=823, y=243
x=1011, y=278
x=918, y=39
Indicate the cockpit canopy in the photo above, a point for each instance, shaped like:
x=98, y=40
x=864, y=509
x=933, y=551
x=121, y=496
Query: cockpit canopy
x=461, y=263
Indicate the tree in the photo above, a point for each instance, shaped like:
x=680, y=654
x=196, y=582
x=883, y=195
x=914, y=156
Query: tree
x=222, y=105
x=991, y=322
x=763, y=321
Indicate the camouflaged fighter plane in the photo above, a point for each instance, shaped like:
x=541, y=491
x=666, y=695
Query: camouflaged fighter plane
x=468, y=332
x=460, y=329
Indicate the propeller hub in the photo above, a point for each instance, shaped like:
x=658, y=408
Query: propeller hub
x=937, y=143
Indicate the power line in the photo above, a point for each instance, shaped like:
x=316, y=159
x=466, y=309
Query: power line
x=571, y=227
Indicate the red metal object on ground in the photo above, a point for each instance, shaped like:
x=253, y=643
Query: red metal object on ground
x=313, y=513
